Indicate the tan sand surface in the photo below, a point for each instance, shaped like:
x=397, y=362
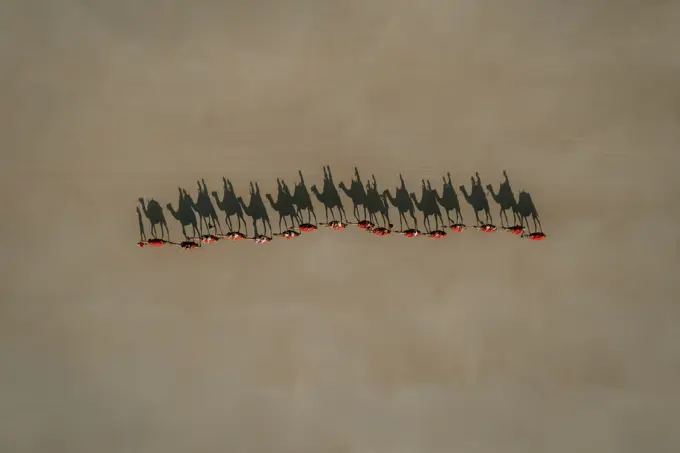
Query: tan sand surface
x=340, y=342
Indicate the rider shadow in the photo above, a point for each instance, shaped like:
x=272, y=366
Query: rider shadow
x=505, y=198
x=404, y=204
x=185, y=213
x=230, y=205
x=256, y=210
x=376, y=203
x=284, y=205
x=329, y=196
x=302, y=200
x=357, y=193
x=142, y=232
x=154, y=213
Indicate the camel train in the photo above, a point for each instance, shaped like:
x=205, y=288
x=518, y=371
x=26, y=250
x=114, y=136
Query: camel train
x=201, y=223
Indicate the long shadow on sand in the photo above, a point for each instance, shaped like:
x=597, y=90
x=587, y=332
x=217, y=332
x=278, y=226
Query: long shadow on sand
x=449, y=200
x=404, y=204
x=256, y=210
x=184, y=213
x=329, y=196
x=428, y=205
x=525, y=208
x=284, y=205
x=302, y=200
x=154, y=214
x=357, y=193
x=376, y=203
x=205, y=209
x=477, y=199
x=230, y=205
x=505, y=198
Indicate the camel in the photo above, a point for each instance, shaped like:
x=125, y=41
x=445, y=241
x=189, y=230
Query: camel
x=205, y=209
x=364, y=224
x=449, y=201
x=477, y=199
x=356, y=193
x=284, y=205
x=329, y=196
x=410, y=233
x=403, y=203
x=256, y=209
x=185, y=214
x=288, y=234
x=303, y=201
x=230, y=206
x=335, y=225
x=154, y=212
x=381, y=231
x=261, y=239
x=506, y=200
x=525, y=208
x=536, y=236
x=188, y=245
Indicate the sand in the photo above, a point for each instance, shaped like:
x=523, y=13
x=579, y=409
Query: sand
x=337, y=341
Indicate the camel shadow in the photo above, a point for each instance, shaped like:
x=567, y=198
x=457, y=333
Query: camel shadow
x=185, y=213
x=376, y=203
x=205, y=209
x=256, y=210
x=449, y=201
x=154, y=213
x=505, y=198
x=302, y=200
x=329, y=196
x=284, y=205
x=230, y=205
x=428, y=205
x=477, y=199
x=404, y=204
x=357, y=193
x=525, y=208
